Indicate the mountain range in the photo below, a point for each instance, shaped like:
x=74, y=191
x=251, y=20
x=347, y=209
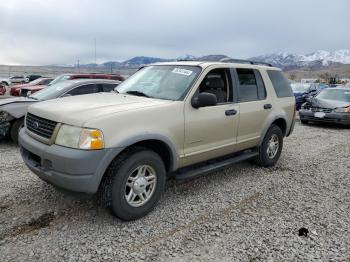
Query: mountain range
x=287, y=61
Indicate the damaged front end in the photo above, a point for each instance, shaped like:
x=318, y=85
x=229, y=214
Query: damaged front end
x=4, y=123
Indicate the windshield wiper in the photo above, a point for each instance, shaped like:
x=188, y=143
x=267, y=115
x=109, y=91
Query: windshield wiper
x=137, y=93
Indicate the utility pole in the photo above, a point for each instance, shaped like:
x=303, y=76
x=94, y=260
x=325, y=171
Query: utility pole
x=95, y=49
x=78, y=65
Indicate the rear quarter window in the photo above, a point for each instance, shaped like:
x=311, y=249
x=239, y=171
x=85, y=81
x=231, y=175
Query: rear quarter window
x=280, y=83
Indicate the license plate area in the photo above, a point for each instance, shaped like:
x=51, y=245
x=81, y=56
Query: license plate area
x=319, y=114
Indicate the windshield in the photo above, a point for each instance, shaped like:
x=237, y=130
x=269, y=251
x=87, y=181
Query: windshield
x=51, y=92
x=59, y=79
x=300, y=87
x=335, y=94
x=163, y=82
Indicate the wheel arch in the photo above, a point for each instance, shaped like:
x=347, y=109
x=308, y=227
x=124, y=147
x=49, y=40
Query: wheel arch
x=278, y=120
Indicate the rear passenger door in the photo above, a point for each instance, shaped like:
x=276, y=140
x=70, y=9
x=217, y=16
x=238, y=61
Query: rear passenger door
x=254, y=108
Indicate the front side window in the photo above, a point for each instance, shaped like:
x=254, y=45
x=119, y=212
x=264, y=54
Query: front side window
x=250, y=85
x=218, y=83
x=170, y=82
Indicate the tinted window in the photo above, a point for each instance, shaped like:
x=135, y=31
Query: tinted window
x=281, y=84
x=85, y=89
x=108, y=87
x=251, y=86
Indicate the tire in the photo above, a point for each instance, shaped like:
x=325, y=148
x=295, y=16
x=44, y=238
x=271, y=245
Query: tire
x=15, y=128
x=114, y=189
x=263, y=158
x=304, y=122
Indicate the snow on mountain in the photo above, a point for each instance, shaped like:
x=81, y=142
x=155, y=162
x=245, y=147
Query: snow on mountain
x=317, y=58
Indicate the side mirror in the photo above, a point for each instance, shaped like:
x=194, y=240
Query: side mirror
x=203, y=100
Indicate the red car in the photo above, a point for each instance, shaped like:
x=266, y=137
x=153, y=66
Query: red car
x=2, y=89
x=41, y=82
x=32, y=89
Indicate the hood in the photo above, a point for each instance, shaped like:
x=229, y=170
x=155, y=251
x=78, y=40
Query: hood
x=12, y=100
x=325, y=103
x=77, y=110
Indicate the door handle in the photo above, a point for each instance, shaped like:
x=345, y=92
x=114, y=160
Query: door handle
x=267, y=106
x=231, y=112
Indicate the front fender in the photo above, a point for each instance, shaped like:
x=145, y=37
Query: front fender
x=158, y=137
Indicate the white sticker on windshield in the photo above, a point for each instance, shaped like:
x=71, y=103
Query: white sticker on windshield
x=182, y=71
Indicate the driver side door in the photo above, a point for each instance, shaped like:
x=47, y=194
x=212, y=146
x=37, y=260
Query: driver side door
x=211, y=131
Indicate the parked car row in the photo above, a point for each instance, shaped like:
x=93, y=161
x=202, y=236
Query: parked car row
x=13, y=110
x=18, y=79
x=42, y=82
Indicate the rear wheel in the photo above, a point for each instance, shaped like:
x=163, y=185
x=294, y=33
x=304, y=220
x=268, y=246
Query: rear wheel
x=134, y=183
x=271, y=147
x=15, y=128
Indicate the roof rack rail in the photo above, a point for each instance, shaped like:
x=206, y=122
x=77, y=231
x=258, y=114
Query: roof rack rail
x=232, y=60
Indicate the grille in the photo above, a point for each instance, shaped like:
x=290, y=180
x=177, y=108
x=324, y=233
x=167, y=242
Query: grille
x=40, y=126
x=320, y=109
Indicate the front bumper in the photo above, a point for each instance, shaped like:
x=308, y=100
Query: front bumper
x=337, y=118
x=70, y=169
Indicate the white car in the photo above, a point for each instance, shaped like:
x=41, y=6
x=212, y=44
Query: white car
x=17, y=80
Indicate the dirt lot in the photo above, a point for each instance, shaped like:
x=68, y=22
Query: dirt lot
x=242, y=213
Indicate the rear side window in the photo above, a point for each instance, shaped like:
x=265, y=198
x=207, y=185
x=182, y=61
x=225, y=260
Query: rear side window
x=251, y=86
x=280, y=83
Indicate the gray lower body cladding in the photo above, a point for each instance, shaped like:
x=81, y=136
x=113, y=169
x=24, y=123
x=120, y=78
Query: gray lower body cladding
x=70, y=169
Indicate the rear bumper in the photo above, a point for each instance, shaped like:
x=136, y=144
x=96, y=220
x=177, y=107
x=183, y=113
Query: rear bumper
x=337, y=118
x=70, y=169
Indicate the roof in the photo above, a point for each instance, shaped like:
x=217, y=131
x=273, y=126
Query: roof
x=92, y=81
x=205, y=64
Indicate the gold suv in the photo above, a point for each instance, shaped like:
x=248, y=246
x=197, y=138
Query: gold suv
x=178, y=119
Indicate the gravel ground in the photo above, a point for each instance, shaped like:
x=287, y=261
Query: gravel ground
x=244, y=213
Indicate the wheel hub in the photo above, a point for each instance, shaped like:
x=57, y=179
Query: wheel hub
x=140, y=185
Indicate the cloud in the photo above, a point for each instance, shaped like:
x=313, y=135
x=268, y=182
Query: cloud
x=52, y=31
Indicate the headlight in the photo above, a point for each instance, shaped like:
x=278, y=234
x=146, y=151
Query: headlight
x=342, y=110
x=81, y=138
x=3, y=116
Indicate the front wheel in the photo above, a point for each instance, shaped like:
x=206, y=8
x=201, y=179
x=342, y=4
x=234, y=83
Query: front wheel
x=271, y=147
x=134, y=184
x=15, y=128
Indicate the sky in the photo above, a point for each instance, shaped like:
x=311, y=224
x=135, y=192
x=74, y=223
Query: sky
x=42, y=32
